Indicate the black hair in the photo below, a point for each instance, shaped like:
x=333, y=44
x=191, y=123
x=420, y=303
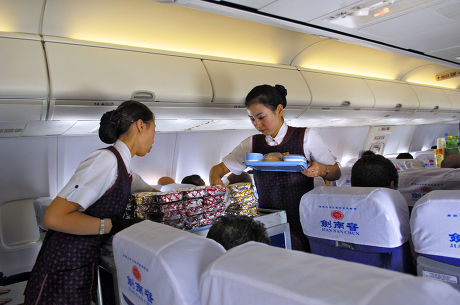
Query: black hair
x=193, y=179
x=375, y=171
x=116, y=122
x=405, y=155
x=270, y=96
x=366, y=153
x=233, y=230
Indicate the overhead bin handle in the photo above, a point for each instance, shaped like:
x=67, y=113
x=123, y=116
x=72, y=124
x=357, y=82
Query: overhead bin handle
x=143, y=96
x=346, y=103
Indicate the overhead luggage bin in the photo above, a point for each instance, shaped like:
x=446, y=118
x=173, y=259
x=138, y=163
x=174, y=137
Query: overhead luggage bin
x=393, y=95
x=329, y=90
x=20, y=16
x=233, y=81
x=454, y=98
x=24, y=89
x=432, y=98
x=87, y=81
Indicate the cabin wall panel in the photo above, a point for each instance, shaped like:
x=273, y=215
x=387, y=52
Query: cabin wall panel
x=425, y=135
x=344, y=142
x=197, y=152
x=74, y=149
x=399, y=140
x=28, y=167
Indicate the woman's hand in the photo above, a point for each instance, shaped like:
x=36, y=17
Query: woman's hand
x=327, y=172
x=315, y=169
x=216, y=174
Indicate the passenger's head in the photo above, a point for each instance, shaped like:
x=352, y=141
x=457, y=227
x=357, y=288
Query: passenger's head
x=405, y=155
x=265, y=105
x=243, y=177
x=451, y=161
x=165, y=180
x=366, y=153
x=374, y=171
x=131, y=120
x=193, y=179
x=231, y=231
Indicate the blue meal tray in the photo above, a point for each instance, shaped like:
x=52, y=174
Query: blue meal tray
x=278, y=166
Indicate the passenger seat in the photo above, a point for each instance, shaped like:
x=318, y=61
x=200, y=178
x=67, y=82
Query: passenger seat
x=359, y=224
x=435, y=225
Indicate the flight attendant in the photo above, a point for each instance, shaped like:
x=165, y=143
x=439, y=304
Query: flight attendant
x=279, y=190
x=89, y=208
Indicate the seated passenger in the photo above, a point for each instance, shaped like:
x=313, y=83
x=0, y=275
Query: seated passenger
x=165, y=180
x=451, y=161
x=193, y=179
x=374, y=171
x=405, y=155
x=243, y=177
x=231, y=231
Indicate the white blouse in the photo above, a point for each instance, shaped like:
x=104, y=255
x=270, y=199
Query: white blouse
x=97, y=173
x=313, y=146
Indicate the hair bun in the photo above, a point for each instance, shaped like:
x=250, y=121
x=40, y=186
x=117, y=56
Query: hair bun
x=281, y=90
x=111, y=117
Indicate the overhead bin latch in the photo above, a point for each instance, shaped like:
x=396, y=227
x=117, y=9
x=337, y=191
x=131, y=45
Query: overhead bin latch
x=346, y=103
x=143, y=96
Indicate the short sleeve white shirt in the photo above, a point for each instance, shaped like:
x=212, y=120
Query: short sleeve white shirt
x=96, y=174
x=313, y=146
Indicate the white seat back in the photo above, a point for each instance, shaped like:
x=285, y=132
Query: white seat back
x=435, y=224
x=255, y=273
x=427, y=157
x=161, y=264
x=19, y=236
x=415, y=183
x=345, y=177
x=360, y=215
x=405, y=164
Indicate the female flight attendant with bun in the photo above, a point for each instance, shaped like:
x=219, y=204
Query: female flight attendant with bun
x=279, y=190
x=89, y=208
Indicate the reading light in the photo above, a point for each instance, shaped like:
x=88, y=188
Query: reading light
x=368, y=11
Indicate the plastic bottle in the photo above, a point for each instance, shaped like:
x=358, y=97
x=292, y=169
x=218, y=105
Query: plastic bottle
x=451, y=147
x=438, y=157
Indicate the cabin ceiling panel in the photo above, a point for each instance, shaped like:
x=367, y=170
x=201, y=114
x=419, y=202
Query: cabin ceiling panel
x=20, y=16
x=424, y=29
x=304, y=10
x=153, y=25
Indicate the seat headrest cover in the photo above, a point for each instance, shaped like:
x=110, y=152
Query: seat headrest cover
x=257, y=274
x=345, y=177
x=361, y=215
x=427, y=157
x=405, y=164
x=161, y=264
x=416, y=182
x=435, y=224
